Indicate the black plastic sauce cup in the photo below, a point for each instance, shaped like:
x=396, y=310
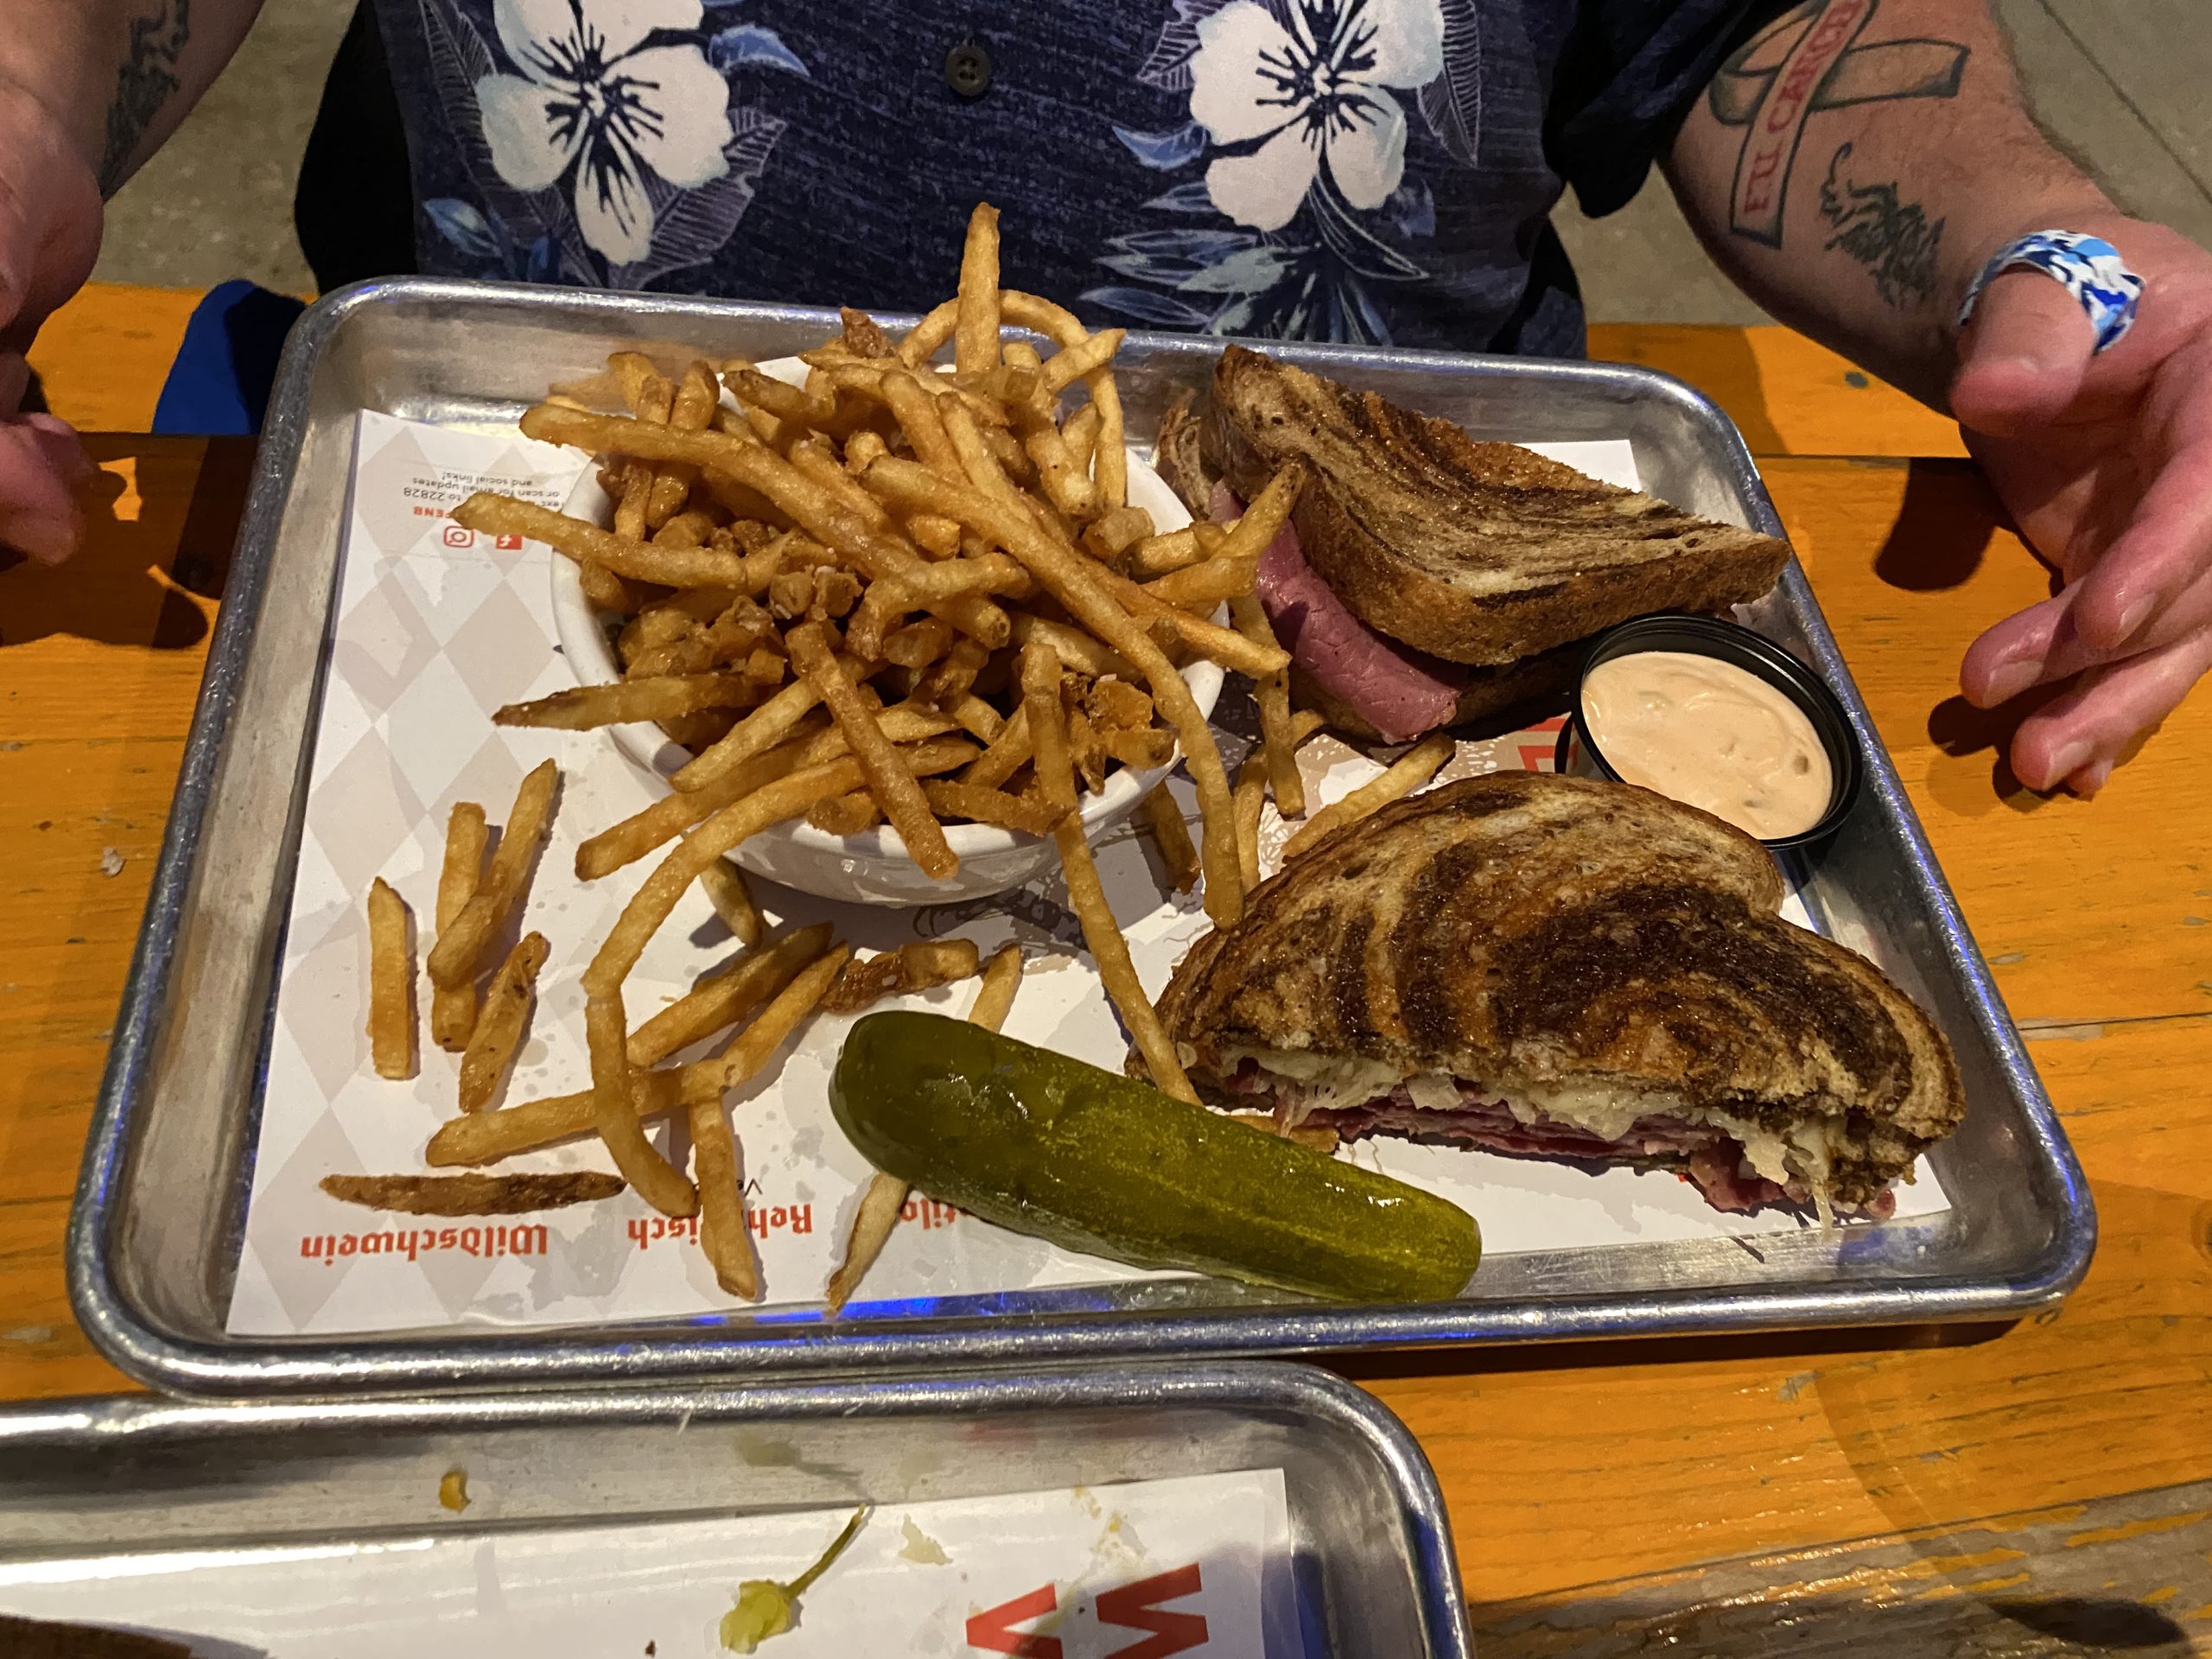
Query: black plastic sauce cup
x=1707, y=636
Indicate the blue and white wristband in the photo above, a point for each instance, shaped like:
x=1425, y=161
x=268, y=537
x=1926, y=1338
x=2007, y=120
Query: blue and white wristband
x=2087, y=267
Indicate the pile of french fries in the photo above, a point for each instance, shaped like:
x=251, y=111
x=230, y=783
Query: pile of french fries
x=899, y=593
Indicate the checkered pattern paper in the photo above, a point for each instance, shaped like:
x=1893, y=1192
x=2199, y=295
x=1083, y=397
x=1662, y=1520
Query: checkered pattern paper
x=436, y=628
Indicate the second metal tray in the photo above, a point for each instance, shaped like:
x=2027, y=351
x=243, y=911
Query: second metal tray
x=154, y=1239
x=94, y=1494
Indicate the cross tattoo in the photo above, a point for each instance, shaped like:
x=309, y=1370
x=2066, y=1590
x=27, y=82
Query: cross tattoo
x=1802, y=63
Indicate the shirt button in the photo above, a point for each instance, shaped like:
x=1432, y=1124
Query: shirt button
x=968, y=70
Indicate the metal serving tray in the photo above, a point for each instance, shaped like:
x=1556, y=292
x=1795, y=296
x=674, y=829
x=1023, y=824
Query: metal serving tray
x=94, y=1483
x=154, y=1239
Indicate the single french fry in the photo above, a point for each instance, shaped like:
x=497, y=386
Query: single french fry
x=994, y=998
x=1263, y=518
x=902, y=723
x=975, y=717
x=918, y=415
x=1140, y=749
x=633, y=373
x=1246, y=800
x=1271, y=692
x=873, y=1221
x=1158, y=556
x=759, y=1041
x=788, y=403
x=1048, y=731
x=1163, y=818
x=676, y=811
x=1110, y=460
x=460, y=949
x=453, y=1010
x=487, y=1137
x=1087, y=897
x=725, y=887
x=895, y=788
x=507, y=1003
x=690, y=528
x=1008, y=752
x=916, y=966
x=640, y=561
x=926, y=337
x=1020, y=354
x=454, y=1195
x=1408, y=772
x=1077, y=650
x=1113, y=703
x=919, y=643
x=580, y=708
x=975, y=335
x=691, y=409
x=604, y=591
x=845, y=815
x=1113, y=532
x=723, y=998
x=657, y=1180
x=1206, y=584
x=1080, y=359
x=1079, y=432
x=881, y=1204
x=1086, y=751
x=947, y=679
x=1069, y=578
x=720, y=1165
x=787, y=798
x=759, y=732
x=1066, y=486
x=937, y=536
x=981, y=805
x=391, y=984
x=864, y=336
x=1252, y=790
x=814, y=460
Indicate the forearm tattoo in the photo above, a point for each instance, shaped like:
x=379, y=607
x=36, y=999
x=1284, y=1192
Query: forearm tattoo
x=1803, y=63
x=146, y=82
x=1893, y=239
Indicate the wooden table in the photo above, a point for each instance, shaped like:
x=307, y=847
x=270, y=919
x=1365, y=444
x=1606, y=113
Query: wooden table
x=2041, y=1488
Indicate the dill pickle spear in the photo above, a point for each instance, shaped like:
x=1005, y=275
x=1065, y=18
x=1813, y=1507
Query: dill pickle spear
x=1046, y=1145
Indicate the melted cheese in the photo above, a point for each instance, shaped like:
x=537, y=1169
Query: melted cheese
x=1336, y=1083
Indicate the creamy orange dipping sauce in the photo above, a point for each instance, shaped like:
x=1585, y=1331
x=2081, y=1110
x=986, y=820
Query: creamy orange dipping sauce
x=1712, y=735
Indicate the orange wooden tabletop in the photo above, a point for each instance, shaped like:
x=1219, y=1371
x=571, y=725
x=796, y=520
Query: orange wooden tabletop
x=2051, y=1479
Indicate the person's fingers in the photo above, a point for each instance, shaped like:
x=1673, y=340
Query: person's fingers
x=2080, y=737
x=42, y=466
x=2016, y=654
x=2022, y=359
x=2166, y=546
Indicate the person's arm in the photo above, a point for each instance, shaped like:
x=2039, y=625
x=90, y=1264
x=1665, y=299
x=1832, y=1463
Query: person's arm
x=1854, y=166
x=88, y=89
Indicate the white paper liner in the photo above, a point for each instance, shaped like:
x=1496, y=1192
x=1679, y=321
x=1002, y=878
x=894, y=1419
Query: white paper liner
x=436, y=628
x=915, y=1579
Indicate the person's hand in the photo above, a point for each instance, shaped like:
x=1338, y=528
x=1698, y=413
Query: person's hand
x=2106, y=464
x=49, y=236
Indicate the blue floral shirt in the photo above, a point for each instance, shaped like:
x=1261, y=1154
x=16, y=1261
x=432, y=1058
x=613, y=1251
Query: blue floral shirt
x=1376, y=171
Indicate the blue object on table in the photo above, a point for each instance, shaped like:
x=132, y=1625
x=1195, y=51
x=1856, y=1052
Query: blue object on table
x=219, y=384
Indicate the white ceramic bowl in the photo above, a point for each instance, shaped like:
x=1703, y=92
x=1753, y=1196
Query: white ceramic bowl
x=871, y=867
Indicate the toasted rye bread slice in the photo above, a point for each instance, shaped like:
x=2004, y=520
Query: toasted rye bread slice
x=1528, y=932
x=1480, y=553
